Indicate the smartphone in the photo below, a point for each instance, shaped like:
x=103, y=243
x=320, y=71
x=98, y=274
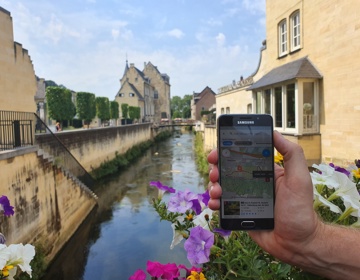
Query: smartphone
x=246, y=171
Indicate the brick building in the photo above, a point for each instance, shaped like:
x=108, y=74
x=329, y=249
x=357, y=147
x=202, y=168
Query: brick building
x=202, y=101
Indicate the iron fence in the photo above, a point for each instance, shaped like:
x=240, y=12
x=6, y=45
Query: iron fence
x=22, y=129
x=16, y=129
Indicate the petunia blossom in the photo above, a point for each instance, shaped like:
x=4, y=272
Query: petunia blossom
x=204, y=218
x=319, y=200
x=223, y=232
x=177, y=234
x=21, y=255
x=181, y=201
x=162, y=188
x=5, y=206
x=198, y=245
x=138, y=275
x=340, y=169
x=163, y=271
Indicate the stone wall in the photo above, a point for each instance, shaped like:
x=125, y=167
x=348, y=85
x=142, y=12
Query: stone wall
x=49, y=206
x=91, y=147
x=17, y=75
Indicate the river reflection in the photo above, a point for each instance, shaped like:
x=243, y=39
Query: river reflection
x=124, y=231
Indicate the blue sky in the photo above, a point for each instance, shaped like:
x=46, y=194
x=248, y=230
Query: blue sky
x=83, y=44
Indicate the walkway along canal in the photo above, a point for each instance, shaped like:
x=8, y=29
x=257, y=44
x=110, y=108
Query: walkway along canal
x=124, y=231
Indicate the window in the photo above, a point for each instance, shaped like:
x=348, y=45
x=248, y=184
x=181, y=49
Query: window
x=282, y=38
x=132, y=94
x=278, y=106
x=290, y=106
x=258, y=102
x=222, y=110
x=294, y=106
x=267, y=102
x=156, y=95
x=295, y=31
x=227, y=110
x=121, y=95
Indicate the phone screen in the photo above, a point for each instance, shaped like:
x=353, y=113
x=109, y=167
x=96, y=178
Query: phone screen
x=246, y=165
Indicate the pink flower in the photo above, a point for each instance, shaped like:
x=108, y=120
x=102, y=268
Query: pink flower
x=164, y=271
x=138, y=275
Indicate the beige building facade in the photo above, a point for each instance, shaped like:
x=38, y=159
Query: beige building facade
x=147, y=89
x=17, y=75
x=308, y=77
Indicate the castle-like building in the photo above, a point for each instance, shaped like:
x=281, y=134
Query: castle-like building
x=148, y=89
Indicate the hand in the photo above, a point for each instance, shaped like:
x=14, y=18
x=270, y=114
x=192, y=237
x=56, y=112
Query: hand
x=296, y=223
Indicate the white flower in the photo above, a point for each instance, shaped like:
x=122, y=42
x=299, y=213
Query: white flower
x=200, y=219
x=352, y=205
x=320, y=200
x=21, y=256
x=177, y=235
x=326, y=177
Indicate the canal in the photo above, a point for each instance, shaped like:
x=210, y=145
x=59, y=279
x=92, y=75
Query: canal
x=124, y=231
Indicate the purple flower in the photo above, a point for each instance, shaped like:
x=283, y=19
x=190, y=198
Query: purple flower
x=357, y=163
x=340, y=169
x=182, y=201
x=162, y=187
x=206, y=197
x=198, y=245
x=5, y=206
x=223, y=232
x=196, y=206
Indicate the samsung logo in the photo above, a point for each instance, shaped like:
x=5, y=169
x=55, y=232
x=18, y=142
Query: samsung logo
x=245, y=122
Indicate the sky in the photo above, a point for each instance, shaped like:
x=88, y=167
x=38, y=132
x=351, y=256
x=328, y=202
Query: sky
x=84, y=44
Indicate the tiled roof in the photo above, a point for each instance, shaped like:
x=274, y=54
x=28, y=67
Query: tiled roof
x=301, y=68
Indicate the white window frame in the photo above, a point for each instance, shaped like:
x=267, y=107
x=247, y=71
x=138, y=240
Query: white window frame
x=299, y=115
x=295, y=31
x=283, y=38
x=131, y=94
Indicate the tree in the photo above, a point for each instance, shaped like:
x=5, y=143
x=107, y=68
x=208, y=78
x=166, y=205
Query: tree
x=102, y=108
x=86, y=106
x=134, y=112
x=114, y=110
x=60, y=105
x=181, y=107
x=124, y=111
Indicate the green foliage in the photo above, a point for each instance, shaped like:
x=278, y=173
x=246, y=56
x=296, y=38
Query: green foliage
x=102, y=108
x=85, y=106
x=201, y=155
x=60, y=105
x=124, y=110
x=181, y=107
x=134, y=112
x=121, y=161
x=114, y=110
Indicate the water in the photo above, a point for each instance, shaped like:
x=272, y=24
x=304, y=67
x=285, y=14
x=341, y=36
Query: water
x=124, y=231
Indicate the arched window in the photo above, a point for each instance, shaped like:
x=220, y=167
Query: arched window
x=295, y=31
x=283, y=38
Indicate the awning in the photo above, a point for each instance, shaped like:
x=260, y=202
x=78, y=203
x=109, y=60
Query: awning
x=301, y=68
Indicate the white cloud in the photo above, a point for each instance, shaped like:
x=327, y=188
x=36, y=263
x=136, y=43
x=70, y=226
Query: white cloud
x=220, y=39
x=177, y=33
x=115, y=33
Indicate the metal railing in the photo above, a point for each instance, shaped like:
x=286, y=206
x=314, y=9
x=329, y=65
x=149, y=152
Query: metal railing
x=53, y=146
x=16, y=130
